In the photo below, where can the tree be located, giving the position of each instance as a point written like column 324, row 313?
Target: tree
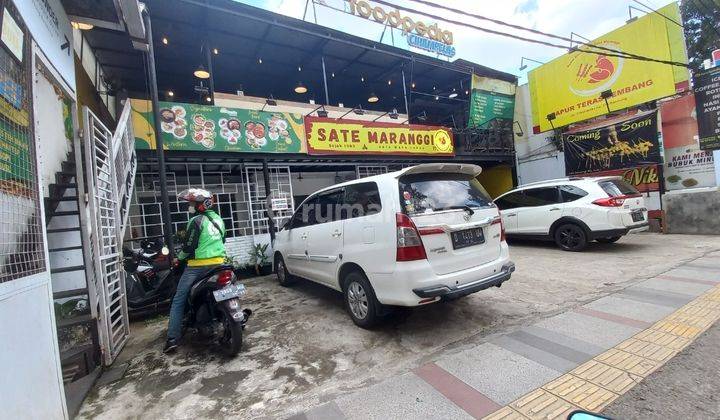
column 701, row 21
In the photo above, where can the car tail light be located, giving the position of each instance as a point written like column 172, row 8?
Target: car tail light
column 502, row 227
column 224, row 277
column 409, row 244
column 610, row 201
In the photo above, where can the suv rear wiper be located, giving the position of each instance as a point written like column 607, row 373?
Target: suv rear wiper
column 467, row 208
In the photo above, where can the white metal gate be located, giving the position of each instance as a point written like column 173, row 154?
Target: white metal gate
column 370, row 170
column 110, row 169
column 281, row 195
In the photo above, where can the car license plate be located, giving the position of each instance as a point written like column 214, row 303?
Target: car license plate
column 467, row 237
column 638, row 216
column 229, row 292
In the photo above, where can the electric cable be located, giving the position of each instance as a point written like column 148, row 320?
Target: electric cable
column 612, row 53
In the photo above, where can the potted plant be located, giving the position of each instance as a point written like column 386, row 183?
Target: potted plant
column 258, row 257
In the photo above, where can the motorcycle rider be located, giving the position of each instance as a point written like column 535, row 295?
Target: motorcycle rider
column 203, row 250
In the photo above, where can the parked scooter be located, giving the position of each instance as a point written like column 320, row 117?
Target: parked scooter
column 150, row 282
column 213, row 309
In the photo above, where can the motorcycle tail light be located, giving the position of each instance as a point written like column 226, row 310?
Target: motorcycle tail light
column 224, row 277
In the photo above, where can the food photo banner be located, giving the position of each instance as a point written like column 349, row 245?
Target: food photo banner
column 220, row 129
column 625, row 144
column 328, row 136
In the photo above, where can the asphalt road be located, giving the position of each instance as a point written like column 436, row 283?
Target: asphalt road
column 301, row 349
column 684, row 388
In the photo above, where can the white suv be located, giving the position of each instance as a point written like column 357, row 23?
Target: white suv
column 405, row 238
column 573, row 211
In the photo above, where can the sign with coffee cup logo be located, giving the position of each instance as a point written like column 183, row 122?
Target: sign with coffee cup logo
column 396, row 20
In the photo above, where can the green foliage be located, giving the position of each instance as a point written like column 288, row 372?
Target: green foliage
column 701, row 22
column 258, row 256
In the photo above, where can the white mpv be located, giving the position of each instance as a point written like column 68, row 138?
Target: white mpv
column 574, row 211
column 406, row 238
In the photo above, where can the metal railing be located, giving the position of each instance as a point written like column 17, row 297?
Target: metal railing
column 494, row 137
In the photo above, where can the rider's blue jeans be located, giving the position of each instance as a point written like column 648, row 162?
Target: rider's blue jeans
column 177, row 310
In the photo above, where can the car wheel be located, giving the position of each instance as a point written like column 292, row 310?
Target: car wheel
column 284, row 278
column 571, row 237
column 608, row 240
column 360, row 300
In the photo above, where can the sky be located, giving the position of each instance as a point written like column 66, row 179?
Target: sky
column 588, row 18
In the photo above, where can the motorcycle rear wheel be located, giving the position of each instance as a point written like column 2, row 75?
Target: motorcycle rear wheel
column 232, row 338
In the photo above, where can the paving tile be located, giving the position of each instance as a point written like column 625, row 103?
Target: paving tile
column 677, row 328
column 580, row 392
column 628, row 362
column 701, row 319
column 664, row 339
column 564, row 340
column 647, row 350
column 596, row 331
column 541, row 404
column 619, row 305
column 535, row 354
column 656, row 297
column 608, row 377
column 607, row 316
column 500, row 374
column 404, row 396
column 549, row 346
column 683, row 288
column 694, row 273
column 505, row 413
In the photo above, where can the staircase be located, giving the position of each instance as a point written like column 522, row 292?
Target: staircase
column 76, row 326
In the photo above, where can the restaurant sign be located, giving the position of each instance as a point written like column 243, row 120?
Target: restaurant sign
column 221, row 129
column 328, row 136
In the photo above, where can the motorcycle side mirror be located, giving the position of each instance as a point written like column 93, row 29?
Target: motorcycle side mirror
column 165, row 250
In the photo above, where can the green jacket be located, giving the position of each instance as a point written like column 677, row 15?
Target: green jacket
column 205, row 240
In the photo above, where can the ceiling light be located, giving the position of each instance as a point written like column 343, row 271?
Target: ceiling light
column 208, row 99
column 332, row 74
column 434, row 89
column 171, row 93
column 373, row 98
column 389, row 82
column 452, row 95
column 201, row 73
column 82, row 26
column 362, row 78
column 301, row 88
column 437, row 98
column 299, row 68
column 259, row 60
column 164, row 40
column 413, row 85
column 215, row 51
column 467, row 92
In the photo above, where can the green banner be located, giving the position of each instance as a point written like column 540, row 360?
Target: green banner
column 15, row 162
column 220, row 129
column 486, row 106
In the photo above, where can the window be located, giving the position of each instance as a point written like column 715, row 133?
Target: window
column 618, row 187
column 511, row 201
column 423, row 193
column 329, row 206
column 305, row 214
column 361, row 200
column 571, row 193
column 546, row 196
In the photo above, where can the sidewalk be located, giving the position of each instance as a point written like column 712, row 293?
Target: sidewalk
column 584, row 358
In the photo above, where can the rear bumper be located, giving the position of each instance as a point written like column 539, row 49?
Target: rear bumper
column 610, row 233
column 466, row 289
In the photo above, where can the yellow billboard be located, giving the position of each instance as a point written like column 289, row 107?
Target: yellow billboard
column 568, row 89
column 328, row 136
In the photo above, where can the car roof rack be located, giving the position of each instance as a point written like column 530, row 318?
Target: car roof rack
column 548, row 181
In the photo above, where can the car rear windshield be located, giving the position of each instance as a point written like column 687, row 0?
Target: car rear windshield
column 424, row 193
column 618, row 187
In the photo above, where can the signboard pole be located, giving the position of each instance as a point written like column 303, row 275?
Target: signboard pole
column 211, row 82
column 405, row 96
column 327, row 95
column 268, row 210
column 165, row 210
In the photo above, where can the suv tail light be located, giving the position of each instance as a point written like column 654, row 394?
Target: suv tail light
column 497, row 220
column 610, row 201
column 409, row 244
column 224, row 277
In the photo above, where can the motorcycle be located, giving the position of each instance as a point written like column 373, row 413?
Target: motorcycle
column 150, row 282
column 213, row 309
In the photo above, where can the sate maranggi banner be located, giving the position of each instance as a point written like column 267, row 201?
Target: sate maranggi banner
column 220, row 129
column 491, row 99
column 626, row 144
column 326, row 136
column 686, row 165
column 570, row 86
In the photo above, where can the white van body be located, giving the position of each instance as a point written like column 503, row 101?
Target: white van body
column 415, row 236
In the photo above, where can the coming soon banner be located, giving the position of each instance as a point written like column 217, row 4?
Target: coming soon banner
column 626, row 144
